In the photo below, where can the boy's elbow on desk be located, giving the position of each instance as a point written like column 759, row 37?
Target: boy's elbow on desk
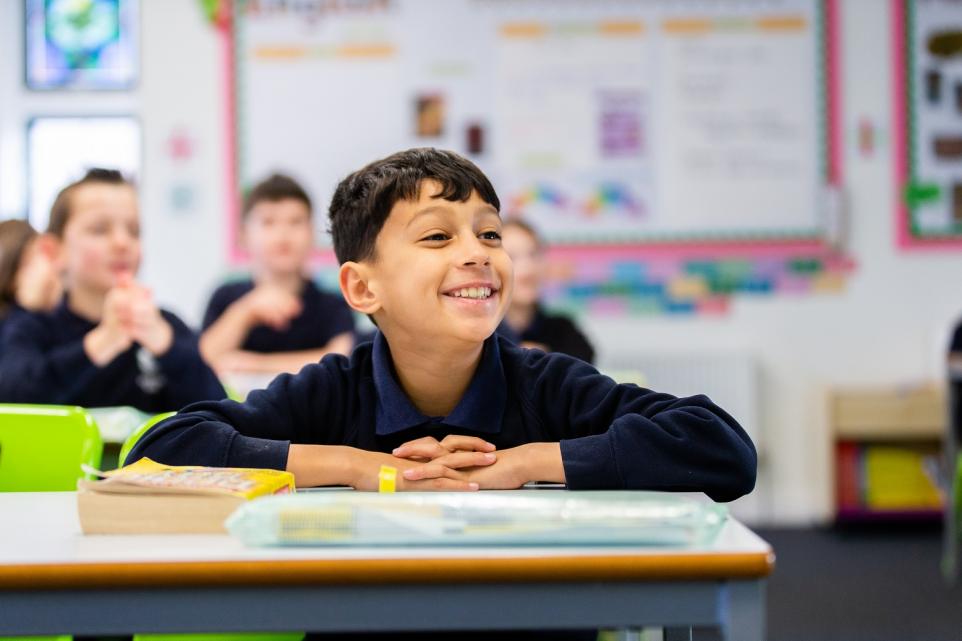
column 736, row 478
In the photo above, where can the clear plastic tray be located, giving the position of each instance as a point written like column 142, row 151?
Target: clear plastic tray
column 340, row 518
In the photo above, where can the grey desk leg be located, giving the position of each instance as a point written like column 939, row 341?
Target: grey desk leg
column 678, row 634
column 745, row 620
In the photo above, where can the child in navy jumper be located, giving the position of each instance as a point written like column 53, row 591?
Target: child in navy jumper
column 436, row 394
column 106, row 343
column 29, row 270
column 279, row 321
column 526, row 322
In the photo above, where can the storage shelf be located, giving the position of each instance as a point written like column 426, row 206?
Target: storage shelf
column 891, row 425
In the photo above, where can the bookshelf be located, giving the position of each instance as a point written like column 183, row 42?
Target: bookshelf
column 886, row 448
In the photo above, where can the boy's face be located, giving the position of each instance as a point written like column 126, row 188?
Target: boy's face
column 528, row 264
column 279, row 236
column 101, row 240
column 439, row 270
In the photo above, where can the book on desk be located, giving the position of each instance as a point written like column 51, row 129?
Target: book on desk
column 146, row 497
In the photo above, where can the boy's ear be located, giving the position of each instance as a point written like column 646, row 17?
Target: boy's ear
column 49, row 246
column 353, row 278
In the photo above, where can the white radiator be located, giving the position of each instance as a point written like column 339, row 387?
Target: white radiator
column 732, row 380
column 729, row 379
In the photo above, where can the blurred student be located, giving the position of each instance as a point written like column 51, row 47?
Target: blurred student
column 526, row 322
column 279, row 320
column 106, row 343
column 29, row 270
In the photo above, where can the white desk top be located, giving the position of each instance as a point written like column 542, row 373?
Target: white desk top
column 42, row 532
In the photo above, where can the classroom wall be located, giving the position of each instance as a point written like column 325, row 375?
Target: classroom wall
column 887, row 327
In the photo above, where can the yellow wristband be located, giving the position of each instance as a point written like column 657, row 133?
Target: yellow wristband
column 387, row 479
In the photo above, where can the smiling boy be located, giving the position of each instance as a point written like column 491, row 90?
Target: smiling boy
column 437, row 395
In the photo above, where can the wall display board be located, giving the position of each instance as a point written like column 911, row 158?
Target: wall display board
column 927, row 94
column 627, row 128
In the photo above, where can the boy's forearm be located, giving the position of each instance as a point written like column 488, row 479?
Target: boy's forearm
column 317, row 465
column 226, row 334
column 542, row 462
column 293, row 361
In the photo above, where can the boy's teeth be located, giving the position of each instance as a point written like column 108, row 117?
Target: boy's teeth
column 473, row 292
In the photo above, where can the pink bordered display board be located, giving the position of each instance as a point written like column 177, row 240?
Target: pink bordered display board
column 671, row 153
column 927, row 99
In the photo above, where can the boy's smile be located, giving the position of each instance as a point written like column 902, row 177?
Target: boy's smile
column 439, row 271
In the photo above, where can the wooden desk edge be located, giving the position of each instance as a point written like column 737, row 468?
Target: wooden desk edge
column 752, row 565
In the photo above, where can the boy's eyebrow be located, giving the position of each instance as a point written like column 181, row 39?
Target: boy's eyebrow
column 442, row 209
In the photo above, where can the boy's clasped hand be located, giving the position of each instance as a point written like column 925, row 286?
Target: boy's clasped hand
column 454, row 463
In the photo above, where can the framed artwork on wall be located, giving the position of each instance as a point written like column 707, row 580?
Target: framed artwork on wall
column 81, row 44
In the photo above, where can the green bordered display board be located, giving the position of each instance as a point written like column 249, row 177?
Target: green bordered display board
column 927, row 95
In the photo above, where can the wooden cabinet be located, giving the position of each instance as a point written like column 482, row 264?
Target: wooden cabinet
column 886, row 445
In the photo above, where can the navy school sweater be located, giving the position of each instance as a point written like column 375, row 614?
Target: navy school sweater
column 42, row 360
column 612, row 436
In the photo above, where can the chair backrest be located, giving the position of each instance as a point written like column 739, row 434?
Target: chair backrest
column 43, row 446
column 140, row 431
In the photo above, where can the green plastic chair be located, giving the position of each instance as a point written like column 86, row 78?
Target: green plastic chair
column 42, row 447
column 139, row 432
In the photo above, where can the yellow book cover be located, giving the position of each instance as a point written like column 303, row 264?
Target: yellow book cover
column 147, row 497
column 896, row 479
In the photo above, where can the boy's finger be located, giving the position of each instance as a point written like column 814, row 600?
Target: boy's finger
column 457, row 460
column 430, row 470
column 443, row 485
column 455, row 442
column 420, row 450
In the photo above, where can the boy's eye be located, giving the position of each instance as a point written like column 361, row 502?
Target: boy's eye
column 491, row 235
column 439, row 237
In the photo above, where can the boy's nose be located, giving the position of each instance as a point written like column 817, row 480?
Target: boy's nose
column 476, row 254
column 121, row 237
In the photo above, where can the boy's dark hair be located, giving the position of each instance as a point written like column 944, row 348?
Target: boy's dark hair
column 15, row 235
column 275, row 188
column 362, row 201
column 60, row 211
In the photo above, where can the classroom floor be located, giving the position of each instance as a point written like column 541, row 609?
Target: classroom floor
column 880, row 584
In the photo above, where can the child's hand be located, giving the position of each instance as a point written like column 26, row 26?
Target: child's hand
column 442, row 474
column 145, row 323
column 271, row 306
column 111, row 336
column 429, row 448
column 519, row 465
